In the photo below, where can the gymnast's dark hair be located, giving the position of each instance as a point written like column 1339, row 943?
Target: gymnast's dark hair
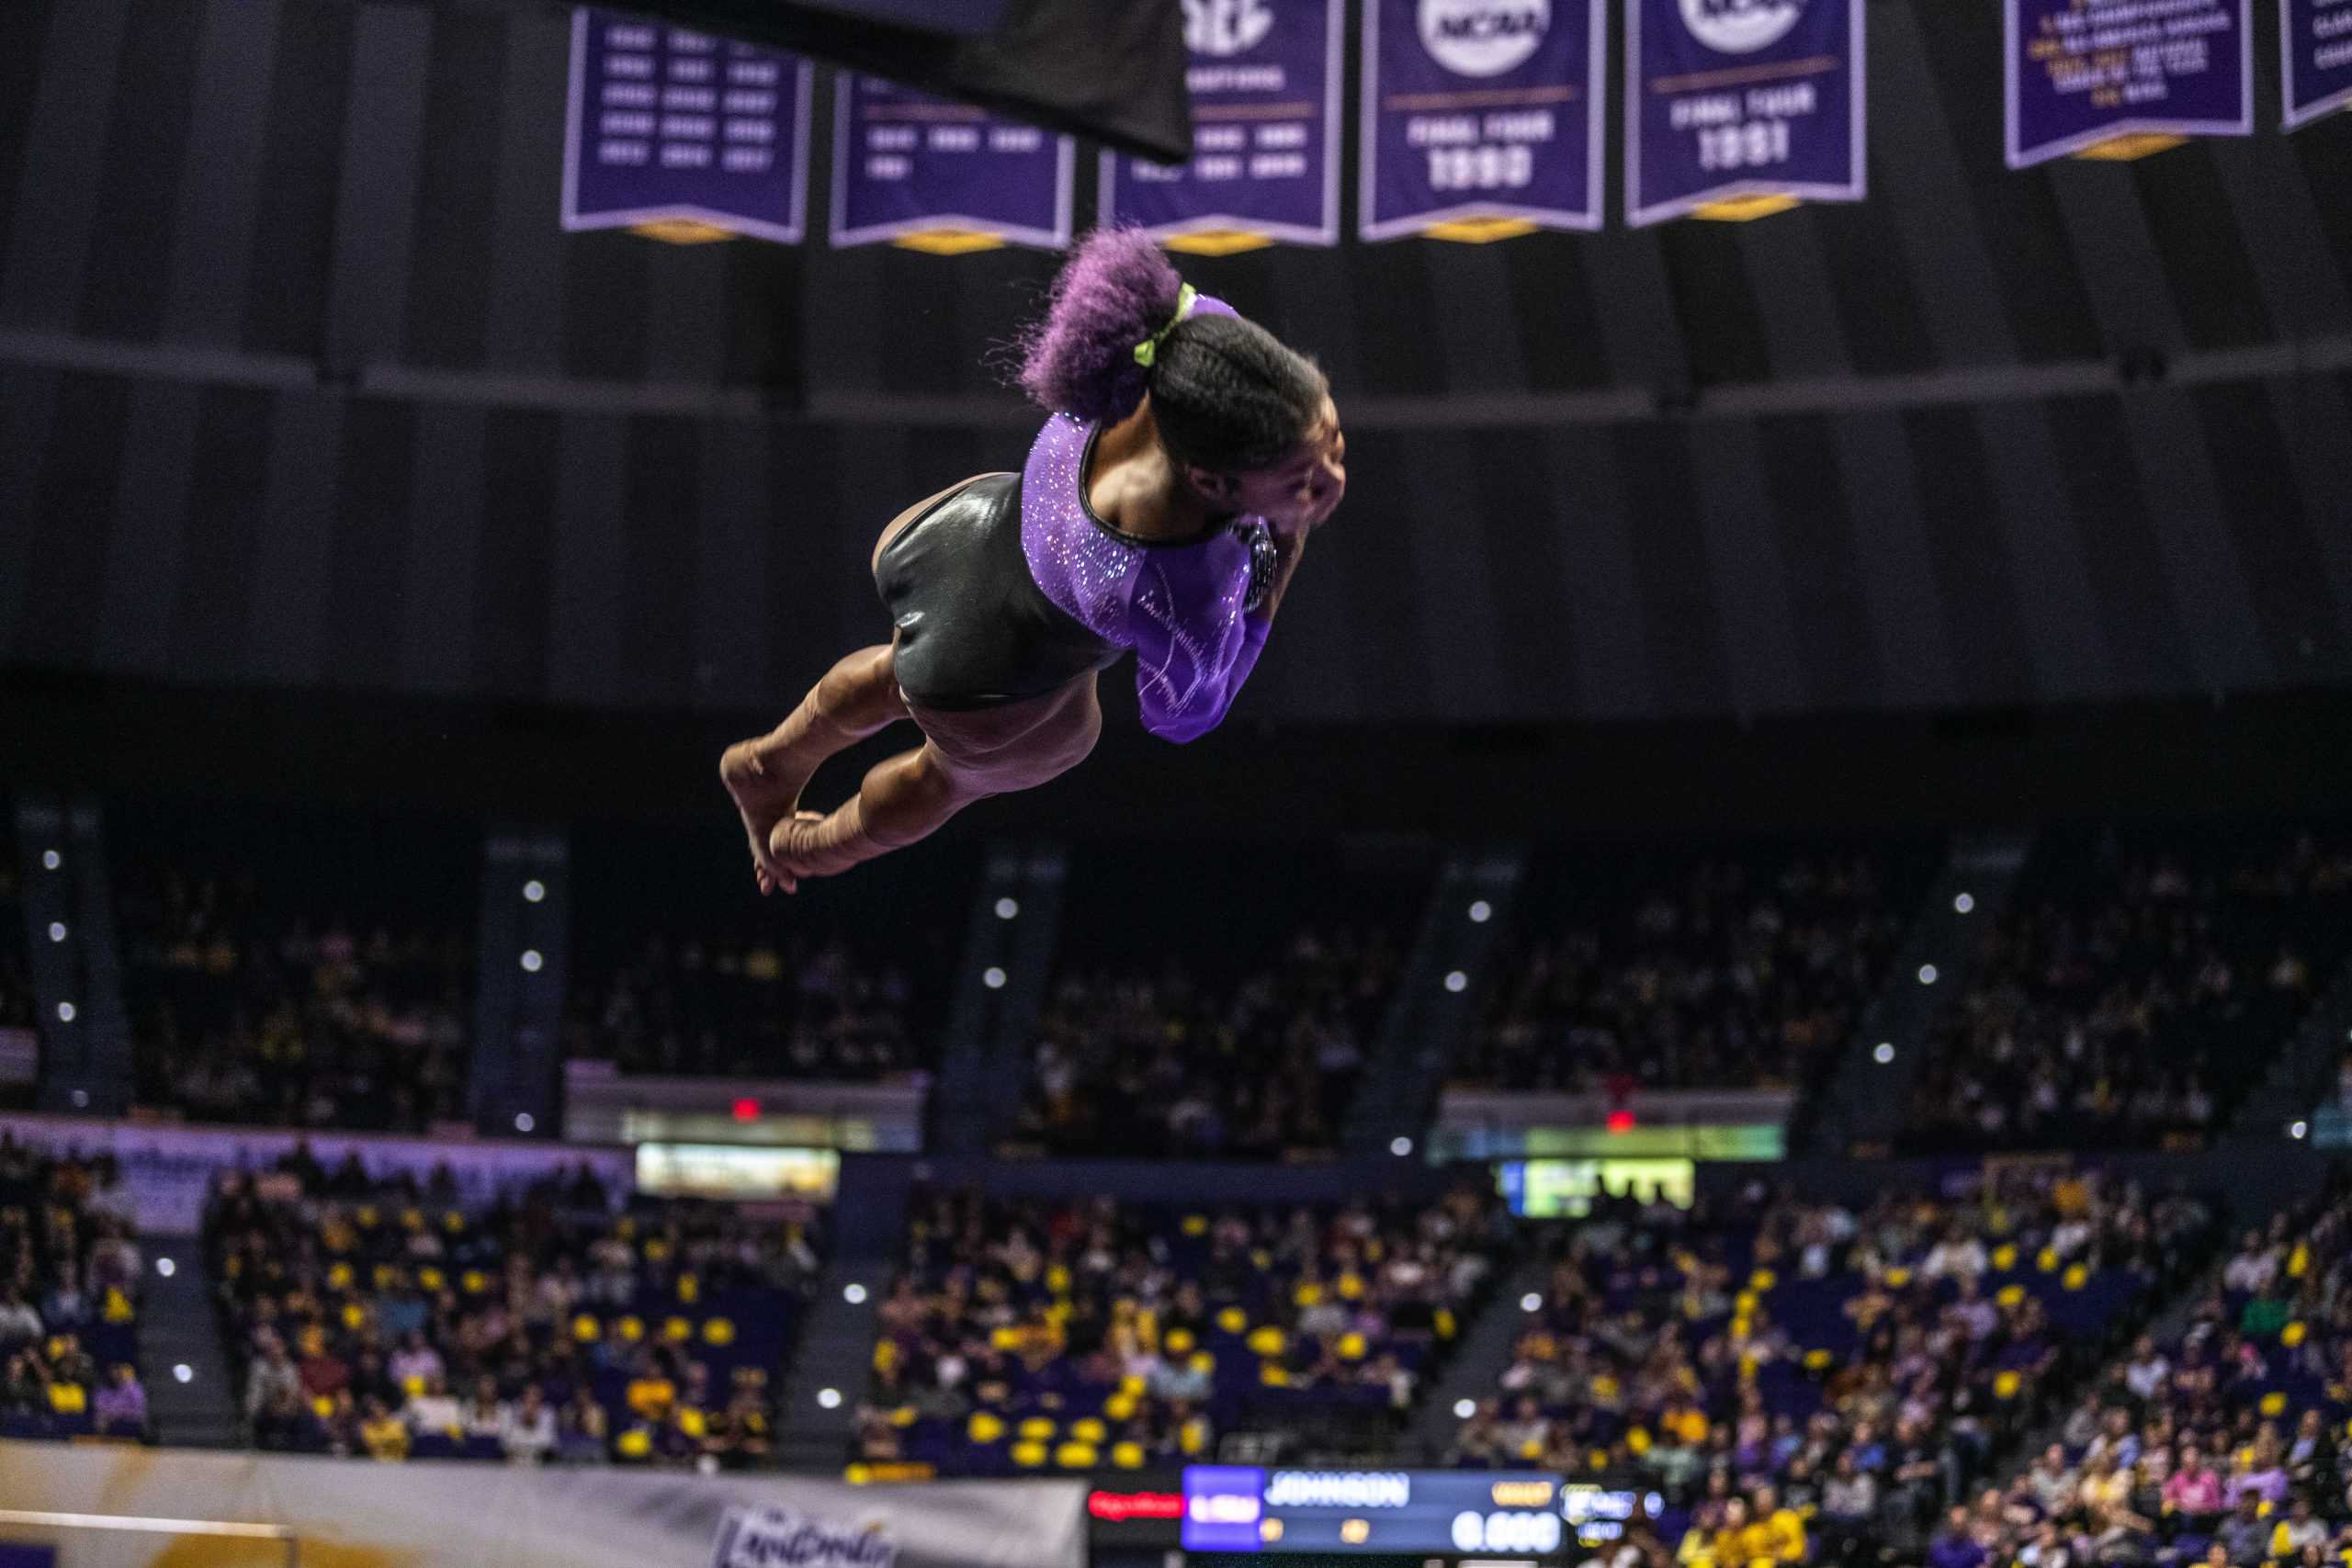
column 1226, row 393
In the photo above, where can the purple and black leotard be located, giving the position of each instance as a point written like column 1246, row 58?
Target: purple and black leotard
column 1011, row 588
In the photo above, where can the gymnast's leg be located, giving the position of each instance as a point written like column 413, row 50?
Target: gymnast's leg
column 766, row 775
column 963, row 758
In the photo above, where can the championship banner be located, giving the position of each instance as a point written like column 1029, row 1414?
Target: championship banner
column 682, row 136
column 1738, row 109
column 2121, row 79
column 1481, row 118
column 945, row 178
column 1265, row 85
column 2316, row 66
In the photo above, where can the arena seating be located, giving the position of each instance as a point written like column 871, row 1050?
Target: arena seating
column 1026, row 1337
column 1738, row 968
column 387, row 1320
column 679, row 967
column 297, row 967
column 1230, row 1013
column 1886, row 1354
column 2130, row 991
column 69, row 1299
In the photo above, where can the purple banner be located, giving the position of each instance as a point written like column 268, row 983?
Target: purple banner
column 1481, row 116
column 2080, row 72
column 944, row 176
column 2316, row 50
column 667, row 126
column 1746, row 104
column 1265, row 85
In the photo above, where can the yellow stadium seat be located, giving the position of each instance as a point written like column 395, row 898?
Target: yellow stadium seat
column 718, row 1331
column 635, row 1443
column 1089, row 1429
column 1266, row 1341
column 2005, row 1256
column 1351, row 1286
column 677, row 1331
column 984, row 1427
column 631, row 1327
column 2046, row 1260
column 1306, row 1293
column 432, row 1279
column 339, row 1276
column 2075, row 1277
column 1029, row 1456
column 1178, row 1342
column 1351, row 1346
column 1120, row 1407
column 1076, row 1456
column 1762, row 1280
column 586, row 1329
column 1036, row 1429
column 1273, row 1374
column 1233, row 1320
column 474, row 1282
column 2006, row 1385
column 1128, row 1456
column 1202, row 1363
column 2293, row 1335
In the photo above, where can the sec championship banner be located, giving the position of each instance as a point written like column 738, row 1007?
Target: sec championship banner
column 2315, row 40
column 683, row 135
column 943, row 176
column 2121, row 78
column 1735, row 108
column 1265, row 83
column 1481, row 118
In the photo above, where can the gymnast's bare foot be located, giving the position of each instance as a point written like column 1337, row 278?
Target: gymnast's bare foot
column 764, row 795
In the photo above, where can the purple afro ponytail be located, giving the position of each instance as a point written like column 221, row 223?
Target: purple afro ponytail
column 1115, row 290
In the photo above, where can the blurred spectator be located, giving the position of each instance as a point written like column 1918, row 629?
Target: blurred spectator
column 54, row 1331
column 2119, row 996
column 529, row 1330
column 1728, row 972
column 121, row 1407
column 1097, row 1334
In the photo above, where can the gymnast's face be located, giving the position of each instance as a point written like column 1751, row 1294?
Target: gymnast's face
column 1299, row 490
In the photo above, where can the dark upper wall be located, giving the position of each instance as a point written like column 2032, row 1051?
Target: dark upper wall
column 300, row 384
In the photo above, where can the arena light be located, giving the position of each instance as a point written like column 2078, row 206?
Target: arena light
column 853, row 1293
column 1006, row 908
column 183, row 1373
column 1532, row 1301
column 57, row 931
column 166, row 1267
column 1481, row 912
column 1926, row 974
column 534, row 890
column 1964, row 902
column 1400, row 1146
column 829, row 1398
column 524, row 1121
column 65, row 1012
column 2299, row 1131
column 1465, row 1408
column 992, row 977
column 51, row 859
column 81, row 1098
column 1455, row 980
column 533, row 961
column 1884, row 1054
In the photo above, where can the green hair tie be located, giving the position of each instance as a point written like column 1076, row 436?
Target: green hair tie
column 1148, row 349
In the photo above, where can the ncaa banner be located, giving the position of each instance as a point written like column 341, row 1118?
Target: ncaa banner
column 1481, row 118
column 945, row 177
column 2315, row 46
column 1264, row 76
column 2121, row 79
column 682, row 136
column 1737, row 109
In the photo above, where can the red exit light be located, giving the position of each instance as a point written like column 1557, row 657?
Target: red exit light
column 1120, row 1507
column 747, row 1109
column 1621, row 1121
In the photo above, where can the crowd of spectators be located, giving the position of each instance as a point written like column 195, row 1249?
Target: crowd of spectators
column 385, row 1319
column 1023, row 1335
column 1732, row 971
column 1231, row 1013
column 69, row 1299
column 2223, row 1444
column 2122, row 996
column 1858, row 1368
column 284, row 979
column 680, row 968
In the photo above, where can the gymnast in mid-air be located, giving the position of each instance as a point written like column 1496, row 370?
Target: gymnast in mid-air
column 1186, row 457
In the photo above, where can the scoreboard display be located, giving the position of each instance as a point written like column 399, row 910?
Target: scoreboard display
column 1248, row 1508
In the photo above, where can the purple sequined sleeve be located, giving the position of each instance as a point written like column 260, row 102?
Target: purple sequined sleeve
column 1184, row 608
